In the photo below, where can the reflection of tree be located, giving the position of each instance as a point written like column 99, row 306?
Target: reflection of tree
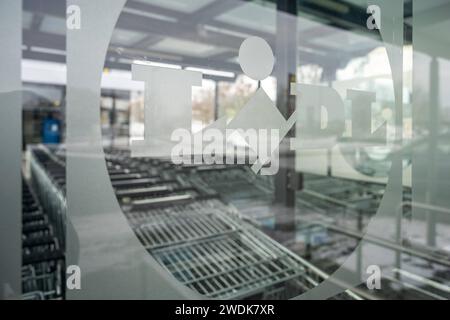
column 310, row 74
column 233, row 96
column 203, row 106
column 137, row 110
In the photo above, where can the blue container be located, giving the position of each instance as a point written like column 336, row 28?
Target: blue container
column 51, row 130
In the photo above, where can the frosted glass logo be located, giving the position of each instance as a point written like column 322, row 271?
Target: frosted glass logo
column 253, row 136
column 168, row 117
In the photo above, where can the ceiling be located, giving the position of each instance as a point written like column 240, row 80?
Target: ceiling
column 204, row 33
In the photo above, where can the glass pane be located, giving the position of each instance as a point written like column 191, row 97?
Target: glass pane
column 266, row 149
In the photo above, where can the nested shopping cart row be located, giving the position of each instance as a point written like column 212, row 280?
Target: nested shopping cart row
column 230, row 266
column 42, row 255
column 183, row 223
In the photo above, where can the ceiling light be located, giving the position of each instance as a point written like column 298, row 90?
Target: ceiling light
column 212, row 72
column 157, row 64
